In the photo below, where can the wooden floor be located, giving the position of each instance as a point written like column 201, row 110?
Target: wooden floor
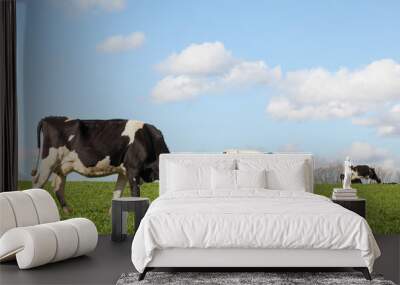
column 110, row 260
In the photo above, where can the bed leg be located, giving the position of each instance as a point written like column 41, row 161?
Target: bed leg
column 143, row 274
column 364, row 271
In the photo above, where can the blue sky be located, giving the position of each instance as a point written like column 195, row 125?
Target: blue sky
column 70, row 69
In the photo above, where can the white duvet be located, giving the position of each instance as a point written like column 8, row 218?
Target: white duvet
column 250, row 219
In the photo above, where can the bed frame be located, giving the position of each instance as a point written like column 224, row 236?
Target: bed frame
column 245, row 258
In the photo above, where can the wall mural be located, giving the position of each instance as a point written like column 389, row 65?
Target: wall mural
column 208, row 76
column 97, row 148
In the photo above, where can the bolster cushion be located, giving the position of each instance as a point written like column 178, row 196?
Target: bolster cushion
column 40, row 244
column 26, row 208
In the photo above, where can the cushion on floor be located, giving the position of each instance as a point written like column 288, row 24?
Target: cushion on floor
column 31, row 231
column 37, row 245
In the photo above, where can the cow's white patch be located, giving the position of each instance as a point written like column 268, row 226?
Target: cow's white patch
column 71, row 137
column 123, row 168
column 102, row 168
column 69, row 119
column 355, row 175
column 58, row 182
column 120, row 186
column 47, row 165
column 117, row 194
column 69, row 161
column 131, row 128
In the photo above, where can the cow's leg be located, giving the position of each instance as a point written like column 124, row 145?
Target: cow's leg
column 59, row 190
column 119, row 187
column 134, row 179
column 47, row 165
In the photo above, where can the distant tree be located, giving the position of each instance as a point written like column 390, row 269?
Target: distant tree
column 328, row 173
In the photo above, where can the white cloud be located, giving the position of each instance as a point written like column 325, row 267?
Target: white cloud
column 256, row 72
column 120, row 43
column 320, row 94
column 200, row 68
column 386, row 124
column 284, row 108
column 106, row 5
column 176, row 88
column 198, row 59
column 377, row 81
column 367, row 96
column 363, row 152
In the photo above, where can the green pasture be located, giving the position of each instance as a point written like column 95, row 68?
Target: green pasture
column 93, row 200
column 383, row 204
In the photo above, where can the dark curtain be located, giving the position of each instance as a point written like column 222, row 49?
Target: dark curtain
column 8, row 97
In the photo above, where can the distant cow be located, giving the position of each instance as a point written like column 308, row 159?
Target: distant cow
column 96, row 148
column 362, row 171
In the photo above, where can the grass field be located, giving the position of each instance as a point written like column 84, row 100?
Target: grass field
column 93, row 200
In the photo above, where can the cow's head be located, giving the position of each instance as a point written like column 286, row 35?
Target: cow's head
column 372, row 175
column 150, row 172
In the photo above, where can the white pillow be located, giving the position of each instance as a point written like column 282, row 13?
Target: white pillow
column 223, row 179
column 292, row 178
column 251, row 178
column 282, row 174
column 193, row 175
column 228, row 179
column 187, row 177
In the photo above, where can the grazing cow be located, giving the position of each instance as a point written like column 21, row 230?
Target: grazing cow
column 362, row 171
column 96, row 148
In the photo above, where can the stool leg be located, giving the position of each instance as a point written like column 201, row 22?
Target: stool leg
column 124, row 219
column 117, row 221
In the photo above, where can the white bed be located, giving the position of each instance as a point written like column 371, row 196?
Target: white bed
column 199, row 225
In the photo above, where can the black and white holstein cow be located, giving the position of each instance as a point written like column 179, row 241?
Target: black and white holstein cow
column 360, row 172
column 96, row 148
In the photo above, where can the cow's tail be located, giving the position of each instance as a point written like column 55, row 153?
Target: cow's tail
column 36, row 163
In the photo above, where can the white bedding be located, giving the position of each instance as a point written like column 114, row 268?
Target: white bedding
column 250, row 218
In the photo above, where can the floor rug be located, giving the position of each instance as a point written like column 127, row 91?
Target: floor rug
column 268, row 278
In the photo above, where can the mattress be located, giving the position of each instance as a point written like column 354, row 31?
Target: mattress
column 250, row 219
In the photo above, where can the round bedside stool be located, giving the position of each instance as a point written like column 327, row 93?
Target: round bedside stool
column 120, row 208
